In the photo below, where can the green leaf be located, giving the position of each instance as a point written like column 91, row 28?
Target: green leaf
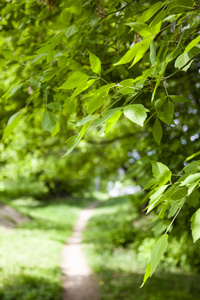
column 57, row 26
column 174, row 208
column 49, row 74
column 71, row 30
column 155, row 198
column 152, row 53
column 156, row 28
column 159, row 17
column 81, row 88
column 168, row 112
column 163, row 210
column 3, row 62
column 180, row 5
column 150, row 12
column 192, row 167
column 158, row 103
column 177, row 193
column 192, row 156
column 165, row 63
column 62, row 61
column 192, row 44
column 141, row 79
column 95, row 63
column 38, row 59
column 98, row 98
column 74, row 80
column 73, row 141
column 190, row 179
column 54, row 106
column 51, row 56
column 15, row 89
column 8, row 54
column 83, row 121
column 107, row 115
column 178, row 99
column 137, row 50
column 141, row 28
column 157, row 131
column 12, row 123
column 147, row 273
column 161, row 172
column 157, row 252
column 126, row 86
column 56, row 129
column 182, row 60
column 111, row 122
column 49, row 121
column 130, row 54
column 140, row 53
column 137, row 113
column 195, row 225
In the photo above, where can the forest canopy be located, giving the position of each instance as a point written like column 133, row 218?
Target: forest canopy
column 105, row 85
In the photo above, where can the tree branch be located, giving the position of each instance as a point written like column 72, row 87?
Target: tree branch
column 164, row 78
column 121, row 9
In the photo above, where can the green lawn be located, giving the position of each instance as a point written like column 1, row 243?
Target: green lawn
column 120, row 266
column 30, row 254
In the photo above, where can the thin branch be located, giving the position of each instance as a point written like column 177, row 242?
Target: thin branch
column 110, row 141
column 121, row 9
column 86, row 64
column 173, row 219
column 164, row 78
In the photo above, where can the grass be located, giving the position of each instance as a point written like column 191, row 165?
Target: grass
column 30, row 254
column 110, row 245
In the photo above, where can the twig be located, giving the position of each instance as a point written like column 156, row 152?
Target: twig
column 113, row 12
column 164, row 78
column 173, row 219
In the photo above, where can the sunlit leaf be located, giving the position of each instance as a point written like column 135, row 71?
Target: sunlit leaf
column 157, row 252
column 49, row 121
column 195, row 225
column 192, row 156
column 161, row 172
column 137, row 113
column 192, row 44
column 12, row 123
column 142, row 28
column 150, row 12
column 74, row 80
column 73, row 141
column 95, row 63
column 147, row 273
column 83, row 121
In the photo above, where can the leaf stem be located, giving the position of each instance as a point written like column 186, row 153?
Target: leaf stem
column 181, row 67
column 173, row 219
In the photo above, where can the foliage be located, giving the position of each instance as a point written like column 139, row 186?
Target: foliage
column 109, row 79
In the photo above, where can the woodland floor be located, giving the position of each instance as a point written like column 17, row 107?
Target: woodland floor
column 47, row 226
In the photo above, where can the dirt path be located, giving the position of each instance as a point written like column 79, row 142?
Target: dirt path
column 79, row 283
